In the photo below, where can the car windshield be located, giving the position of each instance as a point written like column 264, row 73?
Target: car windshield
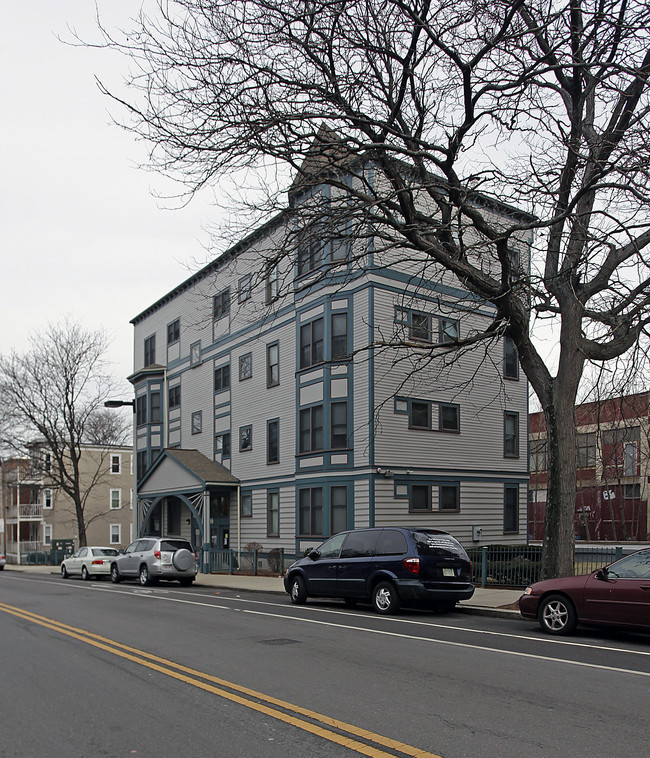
column 104, row 551
column 174, row 545
column 437, row 543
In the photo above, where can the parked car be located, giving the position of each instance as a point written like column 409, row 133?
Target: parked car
column 389, row 566
column 88, row 562
column 150, row 559
column 616, row 595
column 3, row 560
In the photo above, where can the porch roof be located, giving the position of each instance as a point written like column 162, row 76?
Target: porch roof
column 178, row 470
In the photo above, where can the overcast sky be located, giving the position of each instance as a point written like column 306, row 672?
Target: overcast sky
column 83, row 234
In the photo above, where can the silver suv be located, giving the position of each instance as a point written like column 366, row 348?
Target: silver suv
column 152, row 558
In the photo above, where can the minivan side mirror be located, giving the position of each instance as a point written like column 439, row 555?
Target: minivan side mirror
column 314, row 555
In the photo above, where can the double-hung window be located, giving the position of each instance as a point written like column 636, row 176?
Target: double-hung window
column 245, row 288
column 273, row 441
column 272, row 284
column 141, row 410
column 115, row 464
column 221, row 304
column 339, row 424
column 339, row 339
column 150, row 350
column 173, row 331
column 310, row 251
column 272, row 513
column 311, row 343
column 311, row 429
column 174, row 396
column 510, row 359
column 310, row 511
column 511, row 434
column 272, row 365
column 511, row 508
column 222, row 378
column 116, row 499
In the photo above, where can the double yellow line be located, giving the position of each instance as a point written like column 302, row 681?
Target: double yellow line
column 359, row 740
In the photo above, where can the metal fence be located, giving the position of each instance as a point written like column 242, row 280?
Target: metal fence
column 274, row 562
column 520, row 565
column 492, row 565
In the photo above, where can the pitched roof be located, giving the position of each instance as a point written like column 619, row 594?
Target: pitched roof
column 201, row 466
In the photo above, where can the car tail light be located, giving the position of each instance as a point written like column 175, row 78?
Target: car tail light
column 196, row 556
column 98, row 562
column 156, row 554
column 412, row 565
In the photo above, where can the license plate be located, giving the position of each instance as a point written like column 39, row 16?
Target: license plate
column 448, row 572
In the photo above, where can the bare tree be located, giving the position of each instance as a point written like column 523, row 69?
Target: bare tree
column 53, row 398
column 417, row 107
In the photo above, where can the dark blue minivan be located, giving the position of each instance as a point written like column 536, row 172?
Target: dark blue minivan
column 389, row 566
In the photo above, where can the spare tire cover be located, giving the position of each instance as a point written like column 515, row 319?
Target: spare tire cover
column 183, row 560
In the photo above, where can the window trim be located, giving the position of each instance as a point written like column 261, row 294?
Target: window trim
column 174, row 397
column 223, row 372
column 303, row 413
column 243, row 359
column 310, row 509
column 118, row 541
column 270, row 381
column 113, row 491
column 197, row 422
column 221, row 304
column 269, row 424
column 507, row 488
column 173, row 331
column 515, row 416
column 510, row 354
column 246, row 512
column 242, row 433
column 115, row 456
column 245, row 288
column 272, row 493
column 314, row 360
column 150, row 350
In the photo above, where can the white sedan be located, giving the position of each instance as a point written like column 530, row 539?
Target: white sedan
column 88, row 562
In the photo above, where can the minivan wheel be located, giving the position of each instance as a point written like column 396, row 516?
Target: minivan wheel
column 115, row 574
column 385, row 598
column 144, row 575
column 298, row 591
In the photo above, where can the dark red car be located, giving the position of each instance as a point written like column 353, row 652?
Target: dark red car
column 617, row 595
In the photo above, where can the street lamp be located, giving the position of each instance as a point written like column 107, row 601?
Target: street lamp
column 119, row 403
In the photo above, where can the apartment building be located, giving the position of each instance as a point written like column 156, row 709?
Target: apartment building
column 613, row 458
column 280, row 398
column 37, row 515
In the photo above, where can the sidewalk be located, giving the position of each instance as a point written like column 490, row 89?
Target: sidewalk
column 488, row 601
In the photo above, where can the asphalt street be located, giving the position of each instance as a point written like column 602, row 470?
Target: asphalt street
column 104, row 670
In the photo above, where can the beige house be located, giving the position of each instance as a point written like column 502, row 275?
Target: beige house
column 38, row 516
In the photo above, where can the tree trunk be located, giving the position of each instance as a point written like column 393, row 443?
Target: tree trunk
column 559, row 540
column 81, row 524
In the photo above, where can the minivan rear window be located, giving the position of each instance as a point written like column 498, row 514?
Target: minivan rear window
column 435, row 543
column 391, row 542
